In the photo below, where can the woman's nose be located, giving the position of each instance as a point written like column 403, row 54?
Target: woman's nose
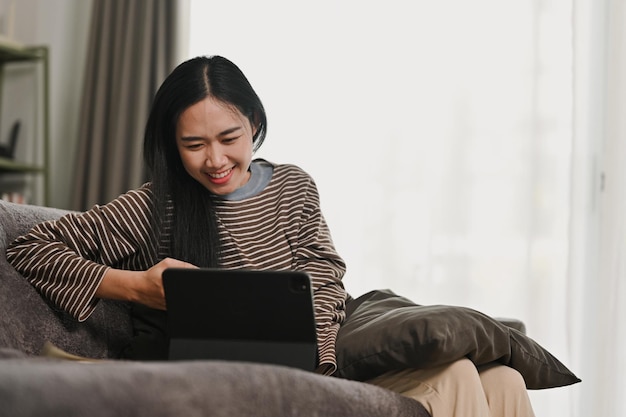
column 215, row 157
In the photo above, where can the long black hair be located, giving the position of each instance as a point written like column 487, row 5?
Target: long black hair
column 192, row 224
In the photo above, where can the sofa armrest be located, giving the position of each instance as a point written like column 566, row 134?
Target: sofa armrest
column 27, row 320
column 513, row 323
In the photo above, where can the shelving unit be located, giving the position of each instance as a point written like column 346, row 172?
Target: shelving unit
column 27, row 172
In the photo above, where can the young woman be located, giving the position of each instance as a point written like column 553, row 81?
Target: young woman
column 209, row 204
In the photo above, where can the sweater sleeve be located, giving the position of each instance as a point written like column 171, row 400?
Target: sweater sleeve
column 66, row 259
column 317, row 256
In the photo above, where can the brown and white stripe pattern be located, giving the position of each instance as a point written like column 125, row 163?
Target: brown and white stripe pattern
column 282, row 228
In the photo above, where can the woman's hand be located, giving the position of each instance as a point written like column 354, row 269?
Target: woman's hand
column 143, row 287
column 151, row 292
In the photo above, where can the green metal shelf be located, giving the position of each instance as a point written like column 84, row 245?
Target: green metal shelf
column 12, row 52
column 8, row 166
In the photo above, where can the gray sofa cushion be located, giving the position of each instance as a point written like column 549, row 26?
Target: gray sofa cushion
column 37, row 387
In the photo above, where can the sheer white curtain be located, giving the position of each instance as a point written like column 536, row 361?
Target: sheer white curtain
column 598, row 227
column 439, row 134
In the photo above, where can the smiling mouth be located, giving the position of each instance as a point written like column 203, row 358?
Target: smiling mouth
column 220, row 175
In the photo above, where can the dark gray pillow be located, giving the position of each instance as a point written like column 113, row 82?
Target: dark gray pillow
column 386, row 332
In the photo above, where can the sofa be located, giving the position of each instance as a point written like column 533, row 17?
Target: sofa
column 36, row 385
column 382, row 331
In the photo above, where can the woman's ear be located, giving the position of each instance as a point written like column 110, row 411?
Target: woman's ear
column 254, row 123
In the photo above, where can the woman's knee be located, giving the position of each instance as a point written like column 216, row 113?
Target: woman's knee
column 505, row 390
column 462, row 370
column 501, row 378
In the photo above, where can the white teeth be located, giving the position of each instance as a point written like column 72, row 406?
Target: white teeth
column 222, row 175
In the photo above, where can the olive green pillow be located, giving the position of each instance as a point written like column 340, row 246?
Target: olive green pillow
column 384, row 332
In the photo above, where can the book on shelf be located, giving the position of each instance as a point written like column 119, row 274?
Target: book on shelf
column 14, row 197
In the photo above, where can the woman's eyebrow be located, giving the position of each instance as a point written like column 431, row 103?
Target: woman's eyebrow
column 229, row 131
column 189, row 138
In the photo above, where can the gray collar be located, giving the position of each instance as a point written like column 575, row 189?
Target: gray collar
column 260, row 175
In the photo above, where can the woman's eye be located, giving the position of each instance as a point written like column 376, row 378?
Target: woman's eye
column 194, row 146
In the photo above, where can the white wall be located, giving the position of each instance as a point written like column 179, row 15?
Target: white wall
column 438, row 134
column 63, row 26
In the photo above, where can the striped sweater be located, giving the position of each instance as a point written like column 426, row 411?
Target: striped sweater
column 281, row 228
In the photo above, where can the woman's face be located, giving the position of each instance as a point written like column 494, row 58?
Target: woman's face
column 215, row 145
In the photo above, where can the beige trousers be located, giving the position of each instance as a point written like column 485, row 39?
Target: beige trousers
column 460, row 389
